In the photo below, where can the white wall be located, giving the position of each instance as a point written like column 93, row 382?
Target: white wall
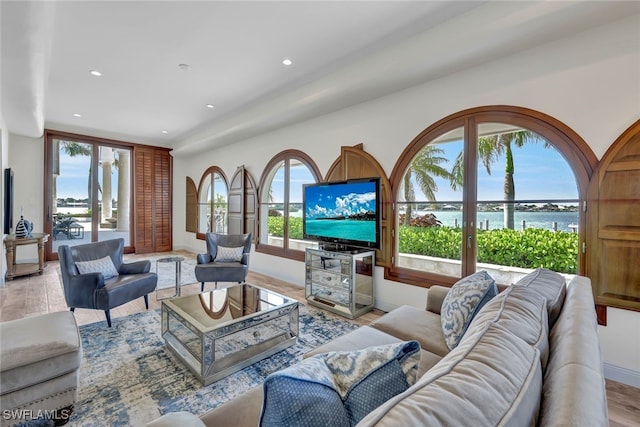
column 590, row 82
column 26, row 158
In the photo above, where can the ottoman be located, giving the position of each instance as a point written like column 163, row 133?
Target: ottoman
column 39, row 367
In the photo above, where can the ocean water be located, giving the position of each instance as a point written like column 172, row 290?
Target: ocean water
column 543, row 220
column 345, row 229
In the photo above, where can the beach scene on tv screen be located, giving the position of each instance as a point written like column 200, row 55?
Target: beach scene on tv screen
column 346, row 211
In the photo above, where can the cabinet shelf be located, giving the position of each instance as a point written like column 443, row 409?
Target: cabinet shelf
column 341, row 282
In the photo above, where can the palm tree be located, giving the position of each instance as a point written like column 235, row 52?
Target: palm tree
column 490, row 148
column 424, row 167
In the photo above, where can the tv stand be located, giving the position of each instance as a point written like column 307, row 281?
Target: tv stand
column 340, row 248
column 340, row 281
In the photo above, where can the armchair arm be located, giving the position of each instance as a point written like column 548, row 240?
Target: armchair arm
column 435, row 297
column 204, row 258
column 82, row 288
column 136, row 267
column 87, row 281
column 245, row 259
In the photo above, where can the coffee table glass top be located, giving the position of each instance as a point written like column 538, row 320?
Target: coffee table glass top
column 210, row 310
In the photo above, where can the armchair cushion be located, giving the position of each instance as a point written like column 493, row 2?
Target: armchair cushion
column 227, row 254
column 102, row 265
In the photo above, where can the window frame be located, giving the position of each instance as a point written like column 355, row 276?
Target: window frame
column 211, row 170
column 578, row 155
column 286, row 157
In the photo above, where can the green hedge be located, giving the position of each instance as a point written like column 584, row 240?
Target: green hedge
column 276, row 227
column 531, row 248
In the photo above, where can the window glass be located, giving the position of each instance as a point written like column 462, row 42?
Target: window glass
column 527, row 201
column 496, row 197
column 275, row 207
column 430, row 207
column 299, row 174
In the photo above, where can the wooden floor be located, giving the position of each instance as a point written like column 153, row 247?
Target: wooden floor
column 40, row 294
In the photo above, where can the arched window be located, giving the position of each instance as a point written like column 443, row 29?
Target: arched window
column 212, row 202
column 493, row 188
column 281, row 203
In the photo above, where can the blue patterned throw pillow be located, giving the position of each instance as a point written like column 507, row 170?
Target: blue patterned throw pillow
column 103, row 265
column 465, row 298
column 338, row 388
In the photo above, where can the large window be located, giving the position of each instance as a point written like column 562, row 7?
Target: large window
column 489, row 191
column 213, row 202
column 281, row 203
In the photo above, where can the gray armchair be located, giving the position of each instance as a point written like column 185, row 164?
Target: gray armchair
column 92, row 290
column 226, row 260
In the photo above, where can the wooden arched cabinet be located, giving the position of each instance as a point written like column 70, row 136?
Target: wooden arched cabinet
column 354, row 162
column 613, row 208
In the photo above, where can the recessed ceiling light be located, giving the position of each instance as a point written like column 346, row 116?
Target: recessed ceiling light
column 184, row 67
column 95, row 73
column 210, row 105
column 77, row 115
column 287, row 62
column 165, row 131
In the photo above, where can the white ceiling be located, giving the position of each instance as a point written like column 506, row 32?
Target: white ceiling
column 343, row 53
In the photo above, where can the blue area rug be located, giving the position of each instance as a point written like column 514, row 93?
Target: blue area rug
column 129, row 377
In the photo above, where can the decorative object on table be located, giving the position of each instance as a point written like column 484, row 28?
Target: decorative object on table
column 23, row 228
column 28, row 225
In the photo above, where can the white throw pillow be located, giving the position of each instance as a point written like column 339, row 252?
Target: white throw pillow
column 465, row 298
column 226, row 254
column 103, row 265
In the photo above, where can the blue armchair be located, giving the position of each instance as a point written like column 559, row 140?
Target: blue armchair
column 226, row 260
column 108, row 285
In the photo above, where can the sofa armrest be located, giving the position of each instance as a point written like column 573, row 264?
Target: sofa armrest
column 204, row 258
column 180, row 418
column 435, row 296
column 241, row 411
column 136, row 267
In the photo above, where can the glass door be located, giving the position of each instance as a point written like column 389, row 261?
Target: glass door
column 88, row 194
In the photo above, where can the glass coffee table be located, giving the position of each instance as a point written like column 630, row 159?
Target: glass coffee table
column 219, row 332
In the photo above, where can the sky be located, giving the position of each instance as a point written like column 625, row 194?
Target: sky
column 73, row 180
column 540, row 173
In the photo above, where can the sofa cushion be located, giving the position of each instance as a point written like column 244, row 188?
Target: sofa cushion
column 523, row 312
column 102, row 265
column 465, row 298
column 366, row 336
column 492, row 378
column 227, row 254
column 411, row 323
column 550, row 285
column 338, row 388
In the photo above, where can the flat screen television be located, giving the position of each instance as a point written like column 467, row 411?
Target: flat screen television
column 343, row 212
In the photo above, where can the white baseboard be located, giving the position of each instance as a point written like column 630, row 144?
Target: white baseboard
column 622, row 375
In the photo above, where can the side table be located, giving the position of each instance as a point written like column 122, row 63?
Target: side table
column 178, row 262
column 15, row 269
